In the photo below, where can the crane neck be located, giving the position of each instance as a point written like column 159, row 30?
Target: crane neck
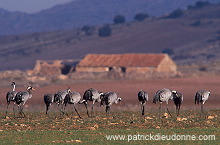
column 13, row 88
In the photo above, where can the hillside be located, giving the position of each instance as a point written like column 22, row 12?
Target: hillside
column 85, row 12
column 194, row 38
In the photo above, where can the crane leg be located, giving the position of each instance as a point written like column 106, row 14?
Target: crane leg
column 47, row 108
column 19, row 110
column 14, row 110
column 93, row 102
column 142, row 109
column 202, row 107
column 143, row 104
column 85, row 103
column 108, row 111
column 177, row 110
column 6, row 112
column 60, row 110
column 22, row 110
column 168, row 110
column 159, row 110
column 77, row 112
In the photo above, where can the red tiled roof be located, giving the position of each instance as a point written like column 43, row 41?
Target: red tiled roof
column 121, row 60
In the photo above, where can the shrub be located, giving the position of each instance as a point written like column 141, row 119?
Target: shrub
column 140, row 16
column 203, row 68
column 88, row 29
column 105, row 31
column 196, row 23
column 201, row 4
column 175, row 14
column 119, row 19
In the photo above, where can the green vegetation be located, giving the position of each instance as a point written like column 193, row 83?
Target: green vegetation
column 38, row 128
column 101, row 136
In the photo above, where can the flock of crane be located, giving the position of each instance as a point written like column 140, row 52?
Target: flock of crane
column 64, row 97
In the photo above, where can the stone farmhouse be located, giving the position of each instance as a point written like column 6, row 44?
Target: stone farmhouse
column 126, row 63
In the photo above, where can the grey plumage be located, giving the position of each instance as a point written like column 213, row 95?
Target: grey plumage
column 72, row 98
column 59, row 98
column 201, row 97
column 60, row 95
column 108, row 99
column 22, row 97
column 10, row 97
column 163, row 95
column 143, row 98
column 177, row 99
column 91, row 95
column 48, row 100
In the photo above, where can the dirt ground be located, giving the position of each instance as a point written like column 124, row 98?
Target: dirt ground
column 127, row 90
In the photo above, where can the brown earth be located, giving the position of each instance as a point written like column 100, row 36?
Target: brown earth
column 127, row 90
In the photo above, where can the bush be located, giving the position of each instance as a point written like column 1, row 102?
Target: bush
column 140, row 16
column 175, row 14
column 201, row 4
column 105, row 31
column 119, row 19
column 88, row 29
column 203, row 68
column 196, row 24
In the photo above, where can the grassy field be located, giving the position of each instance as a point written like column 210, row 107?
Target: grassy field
column 38, row 128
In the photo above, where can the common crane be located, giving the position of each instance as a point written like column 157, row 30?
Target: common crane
column 91, row 95
column 108, row 99
column 143, row 98
column 201, row 97
column 59, row 98
column 163, row 95
column 177, row 99
column 22, row 97
column 48, row 100
column 72, row 98
column 10, row 97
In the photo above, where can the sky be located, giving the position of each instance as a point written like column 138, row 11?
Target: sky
column 29, row 6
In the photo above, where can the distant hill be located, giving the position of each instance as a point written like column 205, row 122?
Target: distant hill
column 85, row 12
column 191, row 38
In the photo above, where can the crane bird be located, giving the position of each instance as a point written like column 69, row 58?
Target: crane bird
column 48, row 100
column 59, row 98
column 143, row 98
column 10, row 97
column 108, row 99
column 163, row 95
column 22, row 97
column 91, row 95
column 72, row 98
column 177, row 99
column 201, row 97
